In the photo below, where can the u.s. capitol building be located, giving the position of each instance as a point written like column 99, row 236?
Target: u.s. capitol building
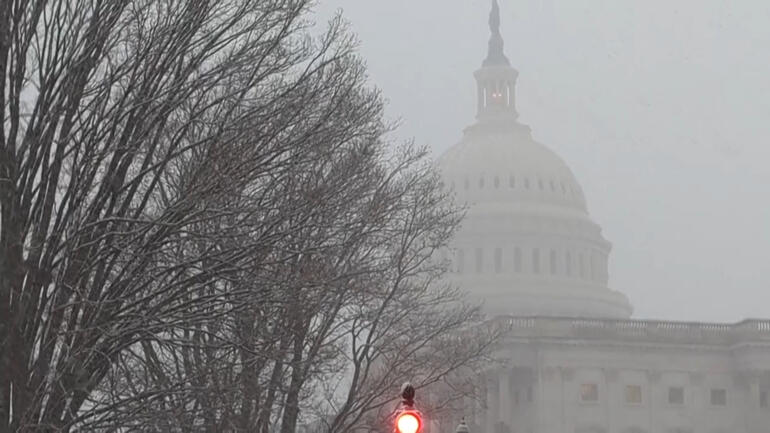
column 575, row 361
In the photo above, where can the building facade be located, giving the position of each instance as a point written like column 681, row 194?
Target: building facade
column 574, row 361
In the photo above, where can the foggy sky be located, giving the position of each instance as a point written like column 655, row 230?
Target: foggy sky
column 661, row 109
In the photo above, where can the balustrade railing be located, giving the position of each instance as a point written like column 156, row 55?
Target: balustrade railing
column 747, row 330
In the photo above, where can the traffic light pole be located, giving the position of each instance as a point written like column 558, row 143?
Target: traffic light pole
column 408, row 418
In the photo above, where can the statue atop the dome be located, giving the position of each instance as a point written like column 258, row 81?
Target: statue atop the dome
column 495, row 55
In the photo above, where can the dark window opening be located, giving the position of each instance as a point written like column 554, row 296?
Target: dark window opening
column 589, row 392
column 719, row 397
column 676, row 395
column 633, row 394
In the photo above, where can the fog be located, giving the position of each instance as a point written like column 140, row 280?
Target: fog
column 660, row 108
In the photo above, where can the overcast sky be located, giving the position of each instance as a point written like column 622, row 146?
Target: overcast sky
column 661, row 108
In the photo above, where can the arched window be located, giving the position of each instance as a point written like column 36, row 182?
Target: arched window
column 479, row 260
column 568, row 264
column 536, row 261
column 460, row 261
column 498, row 260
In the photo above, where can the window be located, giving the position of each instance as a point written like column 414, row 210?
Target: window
column 512, row 181
column 763, row 403
column 553, row 187
column 498, row 260
column 582, row 266
column 568, row 264
column 479, row 259
column 526, row 182
column 540, row 184
column 589, row 393
column 553, row 262
column 460, row 261
column 467, row 183
column 633, row 394
column 530, row 396
column 516, row 397
column 497, row 182
column 481, row 182
column 676, row 395
column 536, row 261
column 718, row 397
column 517, row 259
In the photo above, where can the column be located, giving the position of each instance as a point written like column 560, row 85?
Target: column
column 697, row 399
column 751, row 404
column 492, row 402
column 505, row 408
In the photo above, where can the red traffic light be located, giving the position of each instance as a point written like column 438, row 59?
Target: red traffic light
column 408, row 422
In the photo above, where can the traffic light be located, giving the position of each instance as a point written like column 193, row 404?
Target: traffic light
column 408, row 419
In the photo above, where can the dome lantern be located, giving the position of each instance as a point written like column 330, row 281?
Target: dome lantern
column 496, row 80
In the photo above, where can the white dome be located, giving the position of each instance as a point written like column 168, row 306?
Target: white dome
column 507, row 166
column 527, row 245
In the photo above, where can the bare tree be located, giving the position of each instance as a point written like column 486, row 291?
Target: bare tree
column 201, row 223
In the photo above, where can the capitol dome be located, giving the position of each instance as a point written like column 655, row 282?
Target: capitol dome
column 527, row 245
